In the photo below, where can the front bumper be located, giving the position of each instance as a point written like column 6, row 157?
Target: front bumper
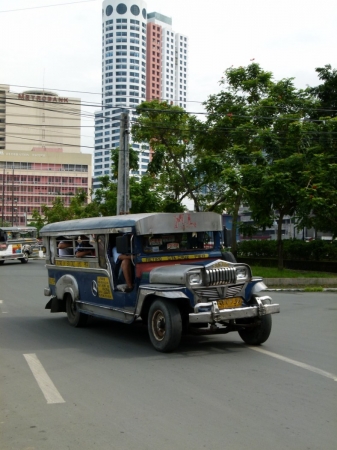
column 262, row 307
column 12, row 256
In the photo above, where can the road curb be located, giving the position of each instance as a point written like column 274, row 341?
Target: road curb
column 298, row 290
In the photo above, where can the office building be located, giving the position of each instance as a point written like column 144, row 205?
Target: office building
column 40, row 156
column 142, row 59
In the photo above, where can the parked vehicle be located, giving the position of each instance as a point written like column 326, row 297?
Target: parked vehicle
column 18, row 243
column 182, row 283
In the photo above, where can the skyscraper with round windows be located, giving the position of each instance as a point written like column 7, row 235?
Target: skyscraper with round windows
column 142, row 59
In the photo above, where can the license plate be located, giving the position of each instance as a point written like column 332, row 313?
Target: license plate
column 234, row 302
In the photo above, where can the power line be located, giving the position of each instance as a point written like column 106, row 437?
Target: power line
column 46, row 6
column 142, row 99
column 278, row 116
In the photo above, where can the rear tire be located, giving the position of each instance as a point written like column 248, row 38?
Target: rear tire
column 2, row 262
column 25, row 259
column 75, row 317
column 257, row 335
column 164, row 325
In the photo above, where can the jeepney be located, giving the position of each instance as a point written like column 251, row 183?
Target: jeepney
column 18, row 243
column 183, row 282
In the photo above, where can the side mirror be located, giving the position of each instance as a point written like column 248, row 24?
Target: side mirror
column 122, row 244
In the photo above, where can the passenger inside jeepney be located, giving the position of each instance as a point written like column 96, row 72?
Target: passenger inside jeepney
column 122, row 268
column 65, row 247
column 175, row 242
column 84, row 248
column 162, row 242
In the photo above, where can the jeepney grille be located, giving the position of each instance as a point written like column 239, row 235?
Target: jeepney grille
column 220, row 276
column 211, row 294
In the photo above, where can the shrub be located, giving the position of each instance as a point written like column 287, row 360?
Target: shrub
column 293, row 249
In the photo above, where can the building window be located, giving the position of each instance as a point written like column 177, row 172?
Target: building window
column 121, row 8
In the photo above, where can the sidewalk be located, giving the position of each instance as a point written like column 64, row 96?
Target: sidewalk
column 299, row 284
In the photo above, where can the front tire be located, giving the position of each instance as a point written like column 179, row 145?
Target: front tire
column 257, row 335
column 164, row 325
column 75, row 317
column 25, row 258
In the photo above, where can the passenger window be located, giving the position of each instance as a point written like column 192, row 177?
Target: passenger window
column 65, row 246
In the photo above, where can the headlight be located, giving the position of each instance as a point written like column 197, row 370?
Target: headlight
column 195, row 278
column 242, row 273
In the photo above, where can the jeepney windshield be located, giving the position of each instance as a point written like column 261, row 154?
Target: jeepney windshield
column 175, row 242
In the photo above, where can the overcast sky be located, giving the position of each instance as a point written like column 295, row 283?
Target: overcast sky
column 59, row 47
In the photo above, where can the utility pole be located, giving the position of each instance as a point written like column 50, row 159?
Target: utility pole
column 123, row 187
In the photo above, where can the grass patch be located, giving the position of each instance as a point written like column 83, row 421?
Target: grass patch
column 273, row 272
column 313, row 289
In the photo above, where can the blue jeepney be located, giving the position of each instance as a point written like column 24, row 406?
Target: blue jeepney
column 182, row 280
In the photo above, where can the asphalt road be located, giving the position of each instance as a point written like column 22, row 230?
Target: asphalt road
column 104, row 387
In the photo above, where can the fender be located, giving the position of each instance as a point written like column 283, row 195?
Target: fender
column 169, row 292
column 67, row 284
column 254, row 286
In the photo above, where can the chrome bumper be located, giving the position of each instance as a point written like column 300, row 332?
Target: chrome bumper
column 262, row 308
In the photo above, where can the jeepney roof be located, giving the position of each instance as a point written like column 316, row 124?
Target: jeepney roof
column 17, row 228
column 147, row 223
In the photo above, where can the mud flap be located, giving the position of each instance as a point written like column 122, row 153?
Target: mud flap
column 56, row 305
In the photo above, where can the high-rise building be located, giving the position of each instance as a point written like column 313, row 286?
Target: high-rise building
column 142, row 59
column 40, row 152
column 166, row 57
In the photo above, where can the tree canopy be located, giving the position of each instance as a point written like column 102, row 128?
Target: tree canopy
column 263, row 143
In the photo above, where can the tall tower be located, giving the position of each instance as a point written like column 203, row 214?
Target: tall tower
column 167, row 56
column 142, row 59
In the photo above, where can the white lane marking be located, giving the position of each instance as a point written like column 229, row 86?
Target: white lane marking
column 46, row 385
column 3, row 312
column 296, row 363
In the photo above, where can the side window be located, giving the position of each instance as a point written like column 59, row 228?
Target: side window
column 65, row 246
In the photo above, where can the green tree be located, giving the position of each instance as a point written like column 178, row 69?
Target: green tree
column 319, row 195
column 58, row 212
column 143, row 193
column 180, row 171
column 256, row 128
column 228, row 136
column 325, row 93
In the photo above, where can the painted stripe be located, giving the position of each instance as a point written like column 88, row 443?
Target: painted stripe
column 3, row 312
column 296, row 363
column 46, row 385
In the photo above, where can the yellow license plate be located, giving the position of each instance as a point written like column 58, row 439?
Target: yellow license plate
column 234, row 302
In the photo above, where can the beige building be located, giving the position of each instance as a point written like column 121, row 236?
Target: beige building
column 40, row 156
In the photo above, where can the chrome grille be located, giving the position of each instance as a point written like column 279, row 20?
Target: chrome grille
column 211, row 294
column 221, row 275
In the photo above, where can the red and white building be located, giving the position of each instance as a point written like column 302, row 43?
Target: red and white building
column 40, row 156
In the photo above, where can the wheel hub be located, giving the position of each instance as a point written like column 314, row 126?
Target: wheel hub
column 158, row 325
